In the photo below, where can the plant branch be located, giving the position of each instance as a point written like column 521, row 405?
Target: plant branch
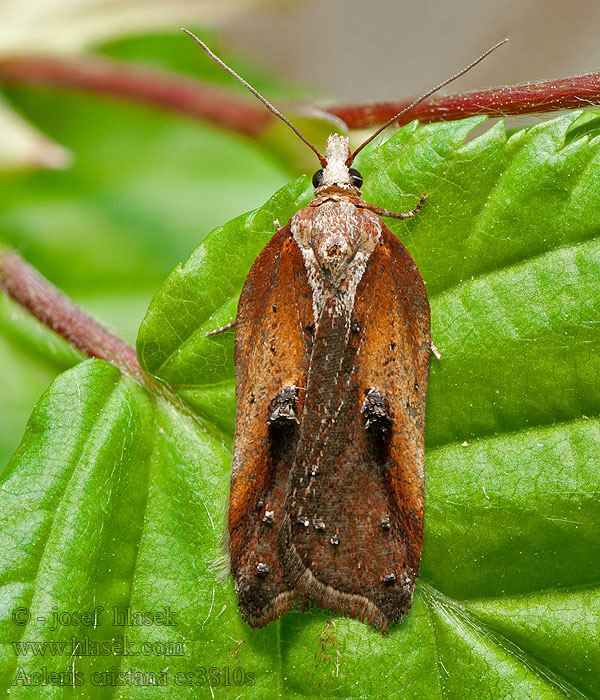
column 176, row 93
column 34, row 293
column 528, row 98
column 225, row 108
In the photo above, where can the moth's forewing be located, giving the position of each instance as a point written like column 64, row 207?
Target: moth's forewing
column 272, row 350
column 360, row 552
column 393, row 307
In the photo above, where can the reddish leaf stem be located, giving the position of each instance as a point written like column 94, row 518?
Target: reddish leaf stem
column 529, row 98
column 150, row 86
column 221, row 106
column 34, row 293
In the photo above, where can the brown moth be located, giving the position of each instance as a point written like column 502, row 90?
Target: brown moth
column 332, row 352
column 327, row 481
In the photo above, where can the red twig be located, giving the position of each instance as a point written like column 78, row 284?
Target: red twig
column 529, row 98
column 225, row 108
column 29, row 289
column 151, row 86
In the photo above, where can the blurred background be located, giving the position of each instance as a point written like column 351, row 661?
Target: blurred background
column 385, row 49
column 105, row 196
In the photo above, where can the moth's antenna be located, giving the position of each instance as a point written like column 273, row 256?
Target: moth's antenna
column 267, row 104
column 424, row 97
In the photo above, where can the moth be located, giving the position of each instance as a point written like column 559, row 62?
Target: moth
column 332, row 351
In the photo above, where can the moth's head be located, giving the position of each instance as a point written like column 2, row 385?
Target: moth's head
column 337, row 177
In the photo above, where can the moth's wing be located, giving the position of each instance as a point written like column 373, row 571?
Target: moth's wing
column 394, row 359
column 272, row 350
column 359, row 553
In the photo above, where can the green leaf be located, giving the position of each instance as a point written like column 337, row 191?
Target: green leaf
column 507, row 601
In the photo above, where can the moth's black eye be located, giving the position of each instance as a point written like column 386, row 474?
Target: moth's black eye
column 356, row 178
column 318, row 178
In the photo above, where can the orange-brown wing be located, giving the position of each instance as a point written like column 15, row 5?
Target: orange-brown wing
column 272, row 350
column 352, row 536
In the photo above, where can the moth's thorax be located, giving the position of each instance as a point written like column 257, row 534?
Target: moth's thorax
column 336, row 238
column 336, row 174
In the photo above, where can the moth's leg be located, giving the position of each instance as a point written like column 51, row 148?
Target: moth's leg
column 282, row 409
column 376, row 411
column 435, row 351
column 226, row 327
column 411, row 213
column 393, row 214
